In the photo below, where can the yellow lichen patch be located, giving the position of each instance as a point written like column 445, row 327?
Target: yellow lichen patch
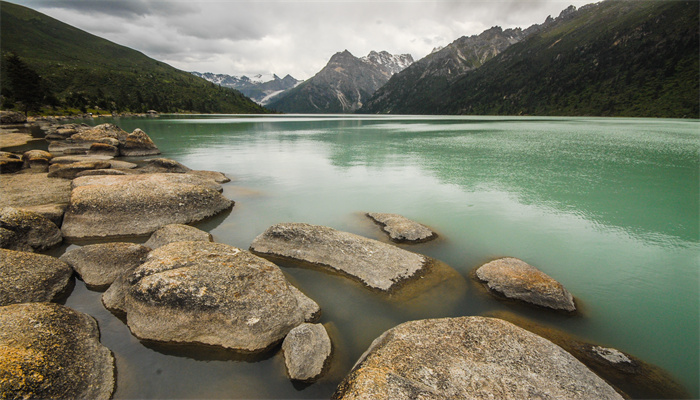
column 20, row 369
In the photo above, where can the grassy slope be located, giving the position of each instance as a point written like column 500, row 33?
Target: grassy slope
column 73, row 60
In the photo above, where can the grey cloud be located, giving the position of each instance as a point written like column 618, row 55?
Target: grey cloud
column 122, row 8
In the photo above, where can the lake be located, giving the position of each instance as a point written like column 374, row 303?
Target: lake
column 606, row 206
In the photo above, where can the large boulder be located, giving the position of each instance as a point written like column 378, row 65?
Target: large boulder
column 401, row 229
column 208, row 293
column 12, row 117
column 37, row 160
column 28, row 277
column 26, row 190
column 516, row 279
column 33, row 231
column 99, row 134
column 177, row 233
column 378, row 265
column 100, row 264
column 307, row 349
column 49, row 351
column 468, row 358
column 164, row 165
column 137, row 143
column 104, row 206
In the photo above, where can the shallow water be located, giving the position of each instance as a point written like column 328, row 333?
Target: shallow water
column 608, row 207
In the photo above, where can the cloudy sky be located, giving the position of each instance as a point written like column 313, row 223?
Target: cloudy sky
column 238, row 37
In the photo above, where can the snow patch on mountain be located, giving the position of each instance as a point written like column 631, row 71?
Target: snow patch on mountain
column 392, row 63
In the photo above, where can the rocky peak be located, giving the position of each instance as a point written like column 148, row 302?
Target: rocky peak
column 388, row 63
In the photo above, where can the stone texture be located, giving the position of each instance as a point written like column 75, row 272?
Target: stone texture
column 53, row 212
column 104, row 206
column 163, row 165
column 70, row 171
column 516, row 279
column 103, row 149
column 377, row 265
column 26, row 190
column 137, row 143
column 469, row 358
column 37, row 160
column 28, row 277
column 10, row 162
column 12, row 117
column 99, row 132
column 51, row 351
column 100, row 264
column 217, row 177
column 307, row 349
column 207, row 293
column 177, row 233
column 401, row 229
column 34, row 232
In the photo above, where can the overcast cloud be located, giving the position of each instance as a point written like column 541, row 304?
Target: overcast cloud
column 239, row 37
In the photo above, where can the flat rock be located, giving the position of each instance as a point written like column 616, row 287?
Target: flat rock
column 53, row 212
column 25, row 190
column 103, row 149
column 100, row 264
column 217, row 177
column 177, row 233
column 401, row 229
column 377, row 265
column 469, row 358
column 108, row 206
column 33, row 231
column 164, row 165
column 307, row 349
column 49, row 351
column 516, row 279
column 79, row 158
column 29, row 277
column 70, row 171
column 207, row 293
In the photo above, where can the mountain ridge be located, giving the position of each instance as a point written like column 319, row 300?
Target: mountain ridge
column 260, row 88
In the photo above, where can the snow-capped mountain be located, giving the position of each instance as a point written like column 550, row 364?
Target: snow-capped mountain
column 261, row 88
column 343, row 84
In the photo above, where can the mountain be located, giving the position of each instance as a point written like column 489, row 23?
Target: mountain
column 613, row 58
column 80, row 70
column 260, row 88
column 343, row 84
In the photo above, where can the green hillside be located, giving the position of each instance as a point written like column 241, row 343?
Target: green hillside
column 80, row 70
column 614, row 58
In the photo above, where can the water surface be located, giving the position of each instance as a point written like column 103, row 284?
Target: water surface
column 608, row 207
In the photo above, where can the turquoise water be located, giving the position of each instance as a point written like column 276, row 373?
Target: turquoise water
column 608, row 207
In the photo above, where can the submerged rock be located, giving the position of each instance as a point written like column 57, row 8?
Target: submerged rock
column 49, row 351
column 177, row 233
column 104, row 206
column 307, row 349
column 377, row 265
column 208, row 293
column 28, row 277
column 33, row 231
column 401, row 229
column 100, row 264
column 516, row 279
column 468, row 358
column 629, row 374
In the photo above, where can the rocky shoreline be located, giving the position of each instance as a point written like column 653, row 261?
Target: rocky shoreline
column 182, row 287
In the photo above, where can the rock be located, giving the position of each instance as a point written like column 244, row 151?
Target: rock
column 95, row 172
column 108, row 206
column 28, row 277
column 98, row 133
column 65, row 147
column 34, row 232
column 377, row 265
column 208, row 293
column 138, row 143
column 79, row 158
column 630, row 375
column 52, row 212
column 70, row 171
column 516, row 279
column 51, row 351
column 307, row 349
column 177, row 233
column 10, row 163
column 103, row 149
column 468, row 358
column 37, row 160
column 100, row 264
column 11, row 117
column 66, row 132
column 217, row 177
column 163, row 165
column 401, row 229
column 25, row 190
